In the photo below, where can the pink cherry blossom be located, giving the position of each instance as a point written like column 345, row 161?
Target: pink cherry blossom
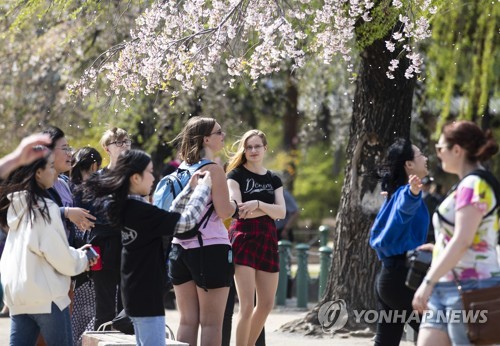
column 182, row 43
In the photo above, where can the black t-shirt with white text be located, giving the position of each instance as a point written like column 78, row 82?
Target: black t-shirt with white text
column 256, row 186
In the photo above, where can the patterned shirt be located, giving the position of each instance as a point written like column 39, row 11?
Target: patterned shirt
column 480, row 260
column 189, row 203
column 191, row 206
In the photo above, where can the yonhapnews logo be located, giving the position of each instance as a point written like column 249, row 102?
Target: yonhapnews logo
column 332, row 315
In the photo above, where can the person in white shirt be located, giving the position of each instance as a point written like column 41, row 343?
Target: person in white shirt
column 37, row 263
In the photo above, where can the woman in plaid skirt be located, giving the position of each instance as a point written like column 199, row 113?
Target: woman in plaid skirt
column 259, row 194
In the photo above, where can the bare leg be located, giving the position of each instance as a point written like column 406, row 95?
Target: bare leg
column 212, row 306
column 266, row 284
column 432, row 337
column 187, row 303
column 244, row 278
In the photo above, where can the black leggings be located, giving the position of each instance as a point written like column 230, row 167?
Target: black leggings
column 392, row 294
column 108, row 302
column 228, row 320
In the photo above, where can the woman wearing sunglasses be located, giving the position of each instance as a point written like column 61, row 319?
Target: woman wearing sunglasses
column 466, row 231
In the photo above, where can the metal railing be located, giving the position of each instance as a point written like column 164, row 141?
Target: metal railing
column 302, row 278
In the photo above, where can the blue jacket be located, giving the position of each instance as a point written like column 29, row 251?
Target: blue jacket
column 400, row 225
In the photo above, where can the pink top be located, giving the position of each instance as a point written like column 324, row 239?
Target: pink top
column 214, row 233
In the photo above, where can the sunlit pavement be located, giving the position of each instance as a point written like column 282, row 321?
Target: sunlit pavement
column 278, row 317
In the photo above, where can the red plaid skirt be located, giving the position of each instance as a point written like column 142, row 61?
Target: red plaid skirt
column 255, row 243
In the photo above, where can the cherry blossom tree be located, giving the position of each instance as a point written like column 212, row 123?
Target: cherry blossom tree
column 178, row 44
column 184, row 41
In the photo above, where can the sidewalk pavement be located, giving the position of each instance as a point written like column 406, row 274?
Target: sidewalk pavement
column 278, row 317
column 281, row 315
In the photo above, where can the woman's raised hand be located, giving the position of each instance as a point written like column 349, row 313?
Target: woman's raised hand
column 415, row 184
column 200, row 178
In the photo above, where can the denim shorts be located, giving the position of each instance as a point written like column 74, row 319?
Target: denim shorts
column 445, row 309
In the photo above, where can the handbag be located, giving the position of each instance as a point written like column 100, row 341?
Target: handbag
column 479, row 303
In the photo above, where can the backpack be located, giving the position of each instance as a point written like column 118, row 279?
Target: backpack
column 491, row 180
column 172, row 184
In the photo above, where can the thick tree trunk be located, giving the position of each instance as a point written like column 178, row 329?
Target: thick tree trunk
column 381, row 112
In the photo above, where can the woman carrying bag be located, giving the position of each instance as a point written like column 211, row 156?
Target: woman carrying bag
column 466, row 232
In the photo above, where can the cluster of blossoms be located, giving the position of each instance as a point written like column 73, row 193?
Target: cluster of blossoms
column 183, row 42
column 413, row 30
column 334, row 25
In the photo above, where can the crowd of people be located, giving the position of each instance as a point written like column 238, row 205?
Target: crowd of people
column 48, row 186
column 84, row 242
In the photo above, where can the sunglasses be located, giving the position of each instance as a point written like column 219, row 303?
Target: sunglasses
column 440, row 147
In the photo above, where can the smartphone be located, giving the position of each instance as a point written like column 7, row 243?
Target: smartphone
column 98, row 265
column 91, row 254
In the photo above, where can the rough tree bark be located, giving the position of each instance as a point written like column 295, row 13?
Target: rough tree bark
column 381, row 112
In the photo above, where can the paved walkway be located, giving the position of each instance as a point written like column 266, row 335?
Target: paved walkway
column 276, row 319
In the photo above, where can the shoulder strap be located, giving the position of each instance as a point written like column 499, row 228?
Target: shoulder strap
column 490, row 179
column 493, row 182
column 204, row 219
column 195, row 166
column 442, row 218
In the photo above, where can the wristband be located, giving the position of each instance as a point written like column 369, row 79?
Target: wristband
column 236, row 213
column 429, row 282
column 66, row 211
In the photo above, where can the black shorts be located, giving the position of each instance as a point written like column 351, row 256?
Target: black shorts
column 210, row 266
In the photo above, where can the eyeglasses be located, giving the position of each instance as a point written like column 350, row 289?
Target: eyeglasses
column 252, row 147
column 440, row 147
column 127, row 142
column 218, row 133
column 67, row 150
column 418, row 155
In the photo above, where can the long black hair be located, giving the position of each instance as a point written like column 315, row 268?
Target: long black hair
column 393, row 173
column 55, row 134
column 110, row 189
column 81, row 162
column 24, row 179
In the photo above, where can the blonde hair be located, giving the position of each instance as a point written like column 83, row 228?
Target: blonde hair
column 191, row 138
column 112, row 135
column 238, row 158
